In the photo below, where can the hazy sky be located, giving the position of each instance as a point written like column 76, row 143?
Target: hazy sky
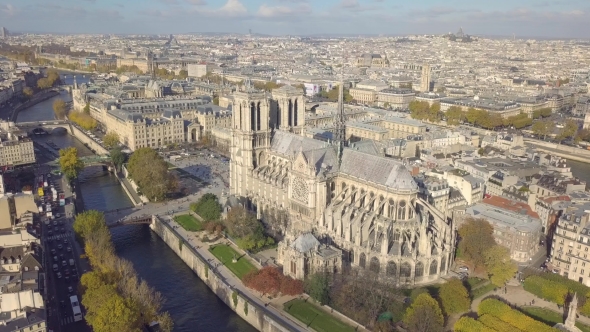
column 542, row 18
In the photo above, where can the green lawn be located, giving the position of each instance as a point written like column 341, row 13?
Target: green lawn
column 189, row 222
column 549, row 317
column 314, row 317
column 473, row 282
column 482, row 290
column 226, row 254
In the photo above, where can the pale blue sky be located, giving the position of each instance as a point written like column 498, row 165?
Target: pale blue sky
column 542, row 18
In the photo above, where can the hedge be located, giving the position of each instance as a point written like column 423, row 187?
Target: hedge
column 555, row 288
column 496, row 324
column 468, row 324
column 515, row 318
column 549, row 290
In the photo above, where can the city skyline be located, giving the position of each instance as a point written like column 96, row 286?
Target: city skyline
column 525, row 18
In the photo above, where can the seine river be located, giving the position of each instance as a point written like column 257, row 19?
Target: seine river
column 189, row 301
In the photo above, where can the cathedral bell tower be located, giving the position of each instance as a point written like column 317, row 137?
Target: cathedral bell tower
column 288, row 111
column 250, row 135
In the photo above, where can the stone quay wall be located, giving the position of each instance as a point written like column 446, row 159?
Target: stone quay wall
column 254, row 314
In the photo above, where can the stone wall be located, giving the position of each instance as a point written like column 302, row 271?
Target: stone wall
column 248, row 310
column 560, row 150
column 80, row 135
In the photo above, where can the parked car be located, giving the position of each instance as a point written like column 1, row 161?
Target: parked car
column 464, row 269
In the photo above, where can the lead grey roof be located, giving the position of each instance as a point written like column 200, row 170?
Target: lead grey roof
column 305, row 242
column 290, row 144
column 376, row 169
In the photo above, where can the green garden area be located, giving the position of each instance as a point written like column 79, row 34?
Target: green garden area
column 315, row 317
column 226, row 254
column 549, row 317
column 189, row 222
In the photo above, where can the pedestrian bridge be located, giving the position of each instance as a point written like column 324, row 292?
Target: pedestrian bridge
column 95, row 160
column 141, row 220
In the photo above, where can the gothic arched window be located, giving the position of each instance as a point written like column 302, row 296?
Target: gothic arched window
column 290, row 113
column 295, row 114
column 401, row 210
column 374, row 265
column 391, row 270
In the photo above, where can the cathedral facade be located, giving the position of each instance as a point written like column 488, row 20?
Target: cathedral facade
column 362, row 208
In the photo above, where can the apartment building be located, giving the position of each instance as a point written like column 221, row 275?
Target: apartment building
column 15, row 147
column 571, row 244
column 518, row 231
column 397, row 99
column 137, row 131
column 505, row 109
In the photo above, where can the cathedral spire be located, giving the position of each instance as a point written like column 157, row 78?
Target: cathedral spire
column 339, row 128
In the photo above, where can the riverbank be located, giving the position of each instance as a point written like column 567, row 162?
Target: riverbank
column 37, row 98
column 560, row 150
column 226, row 286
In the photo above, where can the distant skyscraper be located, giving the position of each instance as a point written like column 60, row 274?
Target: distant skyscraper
column 3, row 32
column 425, row 84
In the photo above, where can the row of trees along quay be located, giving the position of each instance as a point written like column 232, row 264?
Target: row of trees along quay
column 454, row 115
column 114, row 297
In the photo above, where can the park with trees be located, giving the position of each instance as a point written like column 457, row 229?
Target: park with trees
column 115, row 298
column 150, row 173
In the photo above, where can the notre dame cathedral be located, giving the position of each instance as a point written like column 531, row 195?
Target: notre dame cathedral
column 346, row 206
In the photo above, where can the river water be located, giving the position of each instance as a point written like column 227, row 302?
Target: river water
column 192, row 306
column 44, row 110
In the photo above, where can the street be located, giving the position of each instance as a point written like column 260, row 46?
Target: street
column 62, row 261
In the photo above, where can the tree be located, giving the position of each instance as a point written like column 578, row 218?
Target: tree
column 59, row 108
column 182, row 74
column 53, row 77
column 475, row 238
column 216, row 100
column 318, row 287
column 419, row 110
column 116, row 314
column 28, row 92
column 474, row 115
column 498, row 264
column 454, row 297
column 207, row 207
column 240, row 222
column 83, row 119
column 43, row 83
column 434, row 113
column 455, row 115
column 87, row 108
column 117, row 157
column 583, row 135
column 150, row 172
column 89, row 222
column 266, row 280
column 424, row 315
column 111, row 140
column 543, row 128
column 569, row 130
column 546, row 112
column 69, row 162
